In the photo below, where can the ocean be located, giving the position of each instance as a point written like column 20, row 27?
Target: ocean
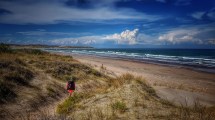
column 198, row 59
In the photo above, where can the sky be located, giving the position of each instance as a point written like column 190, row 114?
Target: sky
column 109, row 23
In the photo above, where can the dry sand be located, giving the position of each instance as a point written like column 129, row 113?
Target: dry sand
column 179, row 85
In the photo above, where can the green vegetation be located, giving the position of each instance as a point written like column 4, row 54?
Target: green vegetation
column 69, row 104
column 119, row 106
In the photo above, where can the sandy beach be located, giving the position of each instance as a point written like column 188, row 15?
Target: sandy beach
column 176, row 84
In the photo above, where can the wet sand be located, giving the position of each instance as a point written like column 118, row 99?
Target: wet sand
column 176, row 84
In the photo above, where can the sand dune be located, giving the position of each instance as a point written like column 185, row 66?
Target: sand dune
column 180, row 85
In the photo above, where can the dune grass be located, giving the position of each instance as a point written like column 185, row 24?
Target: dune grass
column 61, row 67
column 144, row 102
column 69, row 104
column 98, row 96
column 13, row 73
column 119, row 106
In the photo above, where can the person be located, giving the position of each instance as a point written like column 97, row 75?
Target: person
column 70, row 87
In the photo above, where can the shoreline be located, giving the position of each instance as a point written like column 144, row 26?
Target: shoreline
column 160, row 63
column 181, row 85
column 193, row 68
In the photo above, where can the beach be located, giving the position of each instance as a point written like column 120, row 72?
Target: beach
column 177, row 84
column 106, row 88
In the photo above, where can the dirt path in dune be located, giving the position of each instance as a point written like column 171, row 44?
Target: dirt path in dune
column 179, row 85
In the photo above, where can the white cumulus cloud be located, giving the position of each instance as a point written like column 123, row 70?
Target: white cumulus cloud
column 179, row 36
column 125, row 37
column 198, row 35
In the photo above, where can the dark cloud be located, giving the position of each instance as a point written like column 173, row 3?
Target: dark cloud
column 4, row 12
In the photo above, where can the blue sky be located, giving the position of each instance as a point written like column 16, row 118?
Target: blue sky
column 109, row 23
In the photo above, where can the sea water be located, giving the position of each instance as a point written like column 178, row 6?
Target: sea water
column 200, row 59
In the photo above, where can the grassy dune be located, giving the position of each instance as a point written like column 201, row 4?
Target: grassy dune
column 127, row 97
column 32, row 81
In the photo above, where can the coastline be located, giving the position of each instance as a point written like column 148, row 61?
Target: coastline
column 173, row 83
column 201, row 64
column 102, row 83
column 189, row 67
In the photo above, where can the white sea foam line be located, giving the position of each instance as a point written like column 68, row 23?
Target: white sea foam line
column 163, row 58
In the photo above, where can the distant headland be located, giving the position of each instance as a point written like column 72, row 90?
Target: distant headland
column 45, row 46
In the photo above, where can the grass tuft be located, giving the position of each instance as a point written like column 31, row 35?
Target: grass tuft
column 119, row 106
column 196, row 112
column 146, row 86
